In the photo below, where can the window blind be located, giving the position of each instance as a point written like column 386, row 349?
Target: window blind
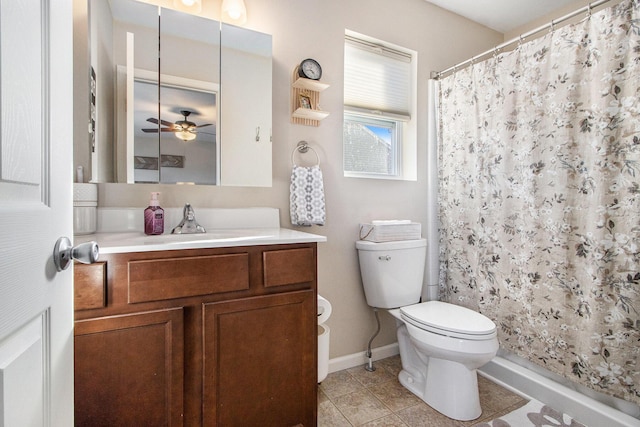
column 376, row 78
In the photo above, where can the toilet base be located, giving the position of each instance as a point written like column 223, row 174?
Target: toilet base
column 450, row 388
column 441, row 370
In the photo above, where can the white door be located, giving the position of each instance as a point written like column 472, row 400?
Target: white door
column 36, row 302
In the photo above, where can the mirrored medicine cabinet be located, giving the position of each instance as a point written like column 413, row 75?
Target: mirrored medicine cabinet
column 176, row 98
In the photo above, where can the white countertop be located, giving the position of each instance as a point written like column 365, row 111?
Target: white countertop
column 115, row 242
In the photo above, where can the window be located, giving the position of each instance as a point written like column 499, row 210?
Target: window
column 370, row 145
column 379, row 137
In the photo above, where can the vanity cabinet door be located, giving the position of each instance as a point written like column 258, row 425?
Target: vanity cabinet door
column 260, row 361
column 129, row 369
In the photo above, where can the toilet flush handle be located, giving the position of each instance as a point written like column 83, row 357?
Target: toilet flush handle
column 384, row 257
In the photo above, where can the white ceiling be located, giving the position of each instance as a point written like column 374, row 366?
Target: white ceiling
column 502, row 15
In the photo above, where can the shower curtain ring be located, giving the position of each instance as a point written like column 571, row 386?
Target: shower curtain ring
column 589, row 9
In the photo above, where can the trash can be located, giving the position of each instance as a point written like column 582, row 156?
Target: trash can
column 324, row 333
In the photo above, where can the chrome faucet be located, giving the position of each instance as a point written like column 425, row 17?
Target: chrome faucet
column 188, row 225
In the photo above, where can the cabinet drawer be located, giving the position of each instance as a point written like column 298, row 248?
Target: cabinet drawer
column 289, row 266
column 89, row 285
column 163, row 279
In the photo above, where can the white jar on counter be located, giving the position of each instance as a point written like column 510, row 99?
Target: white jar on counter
column 85, row 203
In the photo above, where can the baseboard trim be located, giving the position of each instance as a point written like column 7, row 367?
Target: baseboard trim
column 357, row 359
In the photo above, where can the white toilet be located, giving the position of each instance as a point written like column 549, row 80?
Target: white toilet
column 441, row 344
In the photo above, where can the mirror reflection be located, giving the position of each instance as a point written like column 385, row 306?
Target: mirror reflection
column 186, row 127
column 177, row 119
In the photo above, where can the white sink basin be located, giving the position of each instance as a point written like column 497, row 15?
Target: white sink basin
column 215, row 236
column 136, row 238
column 225, row 228
column 139, row 242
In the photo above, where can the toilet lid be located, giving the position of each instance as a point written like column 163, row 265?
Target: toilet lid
column 449, row 319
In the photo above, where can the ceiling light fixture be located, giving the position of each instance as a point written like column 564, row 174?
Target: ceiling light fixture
column 189, row 6
column 185, row 135
column 234, row 12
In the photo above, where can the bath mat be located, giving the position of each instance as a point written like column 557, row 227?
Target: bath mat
column 533, row 414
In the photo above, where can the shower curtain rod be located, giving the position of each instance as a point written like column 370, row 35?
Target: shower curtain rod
column 439, row 74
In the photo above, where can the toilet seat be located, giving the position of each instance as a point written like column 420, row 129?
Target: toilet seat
column 449, row 320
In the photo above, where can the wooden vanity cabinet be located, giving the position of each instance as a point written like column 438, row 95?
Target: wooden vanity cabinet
column 198, row 337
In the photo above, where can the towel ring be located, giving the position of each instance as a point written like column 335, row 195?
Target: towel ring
column 303, row 147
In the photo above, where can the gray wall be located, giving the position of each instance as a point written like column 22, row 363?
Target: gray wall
column 315, row 29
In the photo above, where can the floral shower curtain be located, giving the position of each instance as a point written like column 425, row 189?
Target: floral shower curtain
column 539, row 155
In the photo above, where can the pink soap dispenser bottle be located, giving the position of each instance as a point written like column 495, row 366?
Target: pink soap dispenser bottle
column 154, row 217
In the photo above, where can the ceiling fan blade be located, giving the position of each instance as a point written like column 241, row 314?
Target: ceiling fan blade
column 155, row 130
column 156, row 121
column 201, row 126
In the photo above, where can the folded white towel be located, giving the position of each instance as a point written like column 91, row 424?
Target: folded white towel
column 307, row 196
column 391, row 222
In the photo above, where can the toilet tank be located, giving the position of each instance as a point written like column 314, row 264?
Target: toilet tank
column 392, row 272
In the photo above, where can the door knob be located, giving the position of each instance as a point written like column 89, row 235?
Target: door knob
column 63, row 253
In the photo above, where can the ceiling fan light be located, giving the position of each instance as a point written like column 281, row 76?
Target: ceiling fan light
column 189, row 6
column 185, row 135
column 234, row 12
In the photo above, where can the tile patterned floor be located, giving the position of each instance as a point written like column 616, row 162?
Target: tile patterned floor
column 355, row 397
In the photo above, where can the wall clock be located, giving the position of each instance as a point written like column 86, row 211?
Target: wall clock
column 310, row 69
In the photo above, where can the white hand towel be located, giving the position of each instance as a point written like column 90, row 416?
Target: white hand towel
column 307, row 196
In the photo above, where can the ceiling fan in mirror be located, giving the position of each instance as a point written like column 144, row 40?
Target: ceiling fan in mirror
column 185, row 130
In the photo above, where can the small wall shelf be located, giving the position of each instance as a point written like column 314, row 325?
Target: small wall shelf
column 308, row 114
column 305, row 100
column 314, row 85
